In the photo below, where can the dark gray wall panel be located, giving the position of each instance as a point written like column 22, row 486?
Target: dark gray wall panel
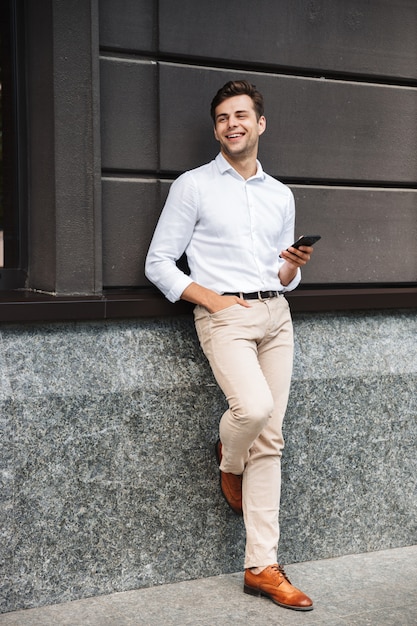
column 368, row 235
column 129, row 113
column 128, row 24
column 321, row 129
column 317, row 129
column 372, row 37
column 41, row 148
column 63, row 148
column 130, row 212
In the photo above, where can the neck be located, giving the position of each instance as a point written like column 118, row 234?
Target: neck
column 246, row 167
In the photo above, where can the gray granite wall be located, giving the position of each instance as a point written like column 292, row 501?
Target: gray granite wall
column 108, row 477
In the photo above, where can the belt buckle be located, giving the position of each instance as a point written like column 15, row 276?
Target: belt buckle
column 260, row 296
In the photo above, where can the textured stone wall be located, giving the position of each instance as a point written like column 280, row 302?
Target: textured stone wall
column 108, row 475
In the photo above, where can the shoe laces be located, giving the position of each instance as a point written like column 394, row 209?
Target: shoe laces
column 280, row 570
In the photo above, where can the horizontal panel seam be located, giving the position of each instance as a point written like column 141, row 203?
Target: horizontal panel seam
column 260, row 68
column 155, row 176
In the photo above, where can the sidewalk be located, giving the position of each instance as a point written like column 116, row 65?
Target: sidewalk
column 378, row 588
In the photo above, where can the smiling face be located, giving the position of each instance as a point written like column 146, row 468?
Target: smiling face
column 237, row 128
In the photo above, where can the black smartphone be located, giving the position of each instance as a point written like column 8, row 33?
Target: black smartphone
column 306, row 240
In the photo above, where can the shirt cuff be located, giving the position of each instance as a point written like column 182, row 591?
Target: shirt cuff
column 174, row 294
column 293, row 284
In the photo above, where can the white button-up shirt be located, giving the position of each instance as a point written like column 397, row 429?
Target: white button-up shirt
column 231, row 229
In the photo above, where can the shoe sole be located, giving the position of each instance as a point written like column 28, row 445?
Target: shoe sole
column 258, row 593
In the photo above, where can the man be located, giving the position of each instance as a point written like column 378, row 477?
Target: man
column 236, row 225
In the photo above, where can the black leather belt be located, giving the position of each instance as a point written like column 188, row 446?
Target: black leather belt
column 254, row 295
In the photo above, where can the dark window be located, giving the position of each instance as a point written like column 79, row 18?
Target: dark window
column 12, row 240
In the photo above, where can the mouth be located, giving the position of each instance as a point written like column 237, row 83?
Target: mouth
column 233, row 136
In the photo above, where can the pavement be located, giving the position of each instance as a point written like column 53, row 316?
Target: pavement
column 377, row 588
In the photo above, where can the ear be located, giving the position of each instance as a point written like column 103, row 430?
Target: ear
column 215, row 133
column 261, row 125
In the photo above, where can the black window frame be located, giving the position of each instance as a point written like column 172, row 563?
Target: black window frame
column 13, row 274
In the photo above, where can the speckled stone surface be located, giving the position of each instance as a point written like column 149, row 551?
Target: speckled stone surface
column 108, row 477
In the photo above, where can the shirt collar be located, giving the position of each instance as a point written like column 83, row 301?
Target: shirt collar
column 224, row 166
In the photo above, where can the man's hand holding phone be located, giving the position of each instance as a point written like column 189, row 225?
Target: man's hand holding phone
column 296, row 256
column 300, row 251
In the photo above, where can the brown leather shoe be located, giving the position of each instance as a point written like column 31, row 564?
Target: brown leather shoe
column 273, row 583
column 230, row 484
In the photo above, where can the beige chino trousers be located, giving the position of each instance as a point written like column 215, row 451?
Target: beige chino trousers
column 250, row 351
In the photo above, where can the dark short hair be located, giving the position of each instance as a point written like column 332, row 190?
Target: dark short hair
column 238, row 88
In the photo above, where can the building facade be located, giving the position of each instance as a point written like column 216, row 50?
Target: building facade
column 108, row 409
